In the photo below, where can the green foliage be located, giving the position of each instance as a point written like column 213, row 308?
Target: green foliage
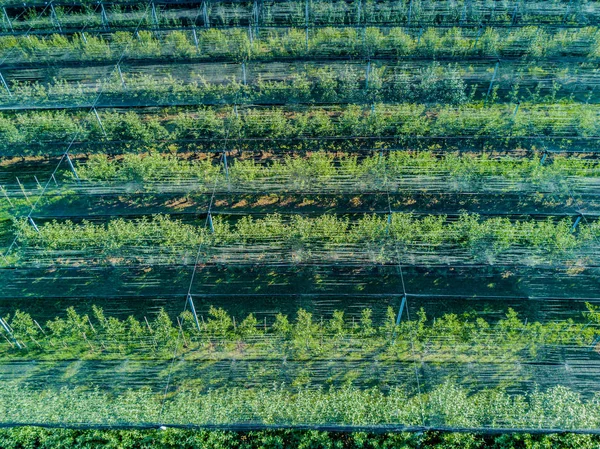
column 543, row 241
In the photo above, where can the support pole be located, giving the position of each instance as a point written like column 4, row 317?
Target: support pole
column 409, row 12
column 8, row 19
column 399, row 317
column 492, row 81
column 83, row 38
column 478, row 35
column 420, row 34
column 104, row 17
column 9, row 331
column 190, row 302
column 121, row 76
column 6, row 196
column 72, row 167
column 564, row 18
column 306, row 15
column 514, row 16
column 516, row 109
column 55, row 17
column 154, row 15
column 544, row 156
column 100, row 122
column 210, row 223
column 244, row 73
column 5, row 84
column 255, row 16
column 23, row 190
column 367, row 73
column 195, row 39
column 205, row 19
column 576, row 223
column 226, row 166
column 33, row 224
column 389, row 223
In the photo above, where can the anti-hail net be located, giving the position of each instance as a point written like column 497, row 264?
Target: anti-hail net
column 339, row 215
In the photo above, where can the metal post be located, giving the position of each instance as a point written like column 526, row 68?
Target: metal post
column 543, row 158
column 306, row 15
column 389, row 223
column 250, row 37
column 210, row 223
column 99, row 122
column 8, row 19
column 9, row 331
column 463, row 15
column 226, row 166
column 3, row 81
column 121, row 75
column 54, row 17
column 72, row 167
column 104, row 17
column 399, row 317
column 409, row 12
column 6, row 195
column 516, row 109
column 492, row 81
column 576, row 223
column 195, row 39
column 368, row 71
column 255, row 16
column 244, row 73
column 190, row 301
column 33, row 224
column 514, row 16
column 420, row 34
column 565, row 16
column 154, row 15
column 83, row 38
column 205, row 15
column 478, row 35
column 23, row 190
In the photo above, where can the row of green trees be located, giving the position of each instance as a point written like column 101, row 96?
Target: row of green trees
column 433, row 84
column 30, row 132
column 364, row 84
column 41, row 438
column 321, row 169
column 218, row 335
column 356, row 13
column 235, row 44
column 428, row 239
column 445, row 405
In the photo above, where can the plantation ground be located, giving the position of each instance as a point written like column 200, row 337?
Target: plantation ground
column 300, row 213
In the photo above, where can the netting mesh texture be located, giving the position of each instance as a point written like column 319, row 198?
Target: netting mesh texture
column 352, row 215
